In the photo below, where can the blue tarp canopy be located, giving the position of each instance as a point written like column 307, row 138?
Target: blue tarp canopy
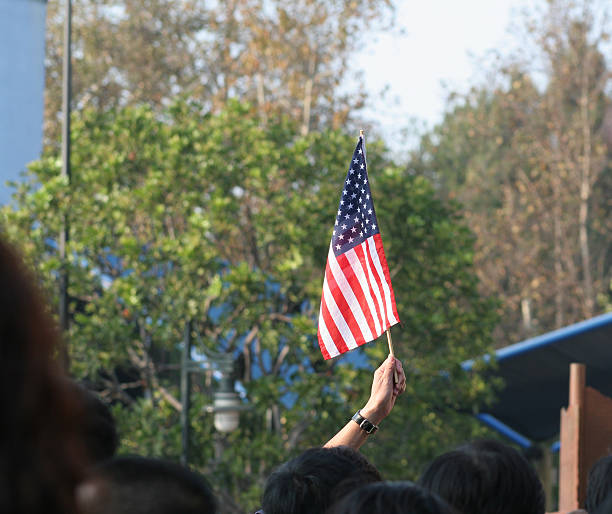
column 536, row 376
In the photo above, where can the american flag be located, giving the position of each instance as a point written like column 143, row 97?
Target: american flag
column 357, row 303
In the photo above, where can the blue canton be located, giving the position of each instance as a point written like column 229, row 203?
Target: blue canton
column 356, row 218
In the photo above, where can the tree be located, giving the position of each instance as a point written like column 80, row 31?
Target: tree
column 532, row 167
column 124, row 52
column 212, row 218
column 576, row 105
column 285, row 58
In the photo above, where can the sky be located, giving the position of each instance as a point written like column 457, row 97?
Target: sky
column 434, row 44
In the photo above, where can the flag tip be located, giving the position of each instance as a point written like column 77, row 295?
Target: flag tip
column 360, row 132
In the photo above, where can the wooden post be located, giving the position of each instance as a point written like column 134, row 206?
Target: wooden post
column 571, row 429
column 577, row 384
column 586, row 435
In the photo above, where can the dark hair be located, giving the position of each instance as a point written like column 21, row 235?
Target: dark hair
column 41, row 452
column 98, row 426
column 599, row 484
column 139, row 485
column 314, row 480
column 391, row 498
column 486, row 477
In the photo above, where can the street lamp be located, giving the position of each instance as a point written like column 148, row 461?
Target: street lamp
column 64, row 234
column 226, row 406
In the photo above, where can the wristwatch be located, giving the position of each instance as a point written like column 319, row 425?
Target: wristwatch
column 365, row 424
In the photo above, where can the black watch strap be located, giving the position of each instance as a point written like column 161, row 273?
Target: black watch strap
column 365, row 424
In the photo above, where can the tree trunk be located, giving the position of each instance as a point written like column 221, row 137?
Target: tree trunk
column 585, row 194
column 557, row 212
column 308, row 95
column 261, row 96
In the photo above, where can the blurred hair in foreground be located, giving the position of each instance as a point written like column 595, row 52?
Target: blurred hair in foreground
column 139, row 485
column 41, row 451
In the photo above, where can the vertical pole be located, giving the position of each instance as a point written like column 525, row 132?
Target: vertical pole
column 392, row 353
column 546, row 476
column 64, row 233
column 185, row 393
column 390, row 342
column 549, row 478
column 571, row 455
column 577, row 384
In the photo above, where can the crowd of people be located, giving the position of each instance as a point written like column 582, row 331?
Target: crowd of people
column 58, row 444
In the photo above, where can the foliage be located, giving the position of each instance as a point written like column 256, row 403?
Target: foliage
column 224, row 221
column 530, row 160
column 284, row 57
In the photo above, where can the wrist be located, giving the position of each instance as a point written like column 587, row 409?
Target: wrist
column 364, row 424
column 375, row 415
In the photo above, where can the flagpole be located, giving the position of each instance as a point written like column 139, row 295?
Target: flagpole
column 389, row 340
column 392, row 353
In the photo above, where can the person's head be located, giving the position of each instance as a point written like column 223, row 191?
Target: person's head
column 41, row 452
column 391, row 498
column 599, row 484
column 486, row 477
column 139, row 485
column 312, row 481
column 98, row 426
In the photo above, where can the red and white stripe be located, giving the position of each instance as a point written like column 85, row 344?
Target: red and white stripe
column 357, row 303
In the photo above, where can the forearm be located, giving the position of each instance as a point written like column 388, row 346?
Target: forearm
column 352, row 434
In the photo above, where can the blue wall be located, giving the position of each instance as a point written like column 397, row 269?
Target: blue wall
column 22, row 76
